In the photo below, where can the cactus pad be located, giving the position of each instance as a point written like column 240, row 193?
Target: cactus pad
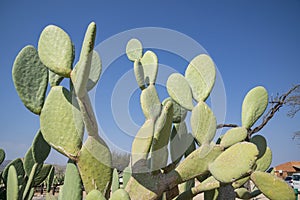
column 195, row 165
column 261, row 144
column 115, row 181
column 180, row 91
column 134, row 49
column 254, row 105
column 234, row 163
column 264, row 162
column 126, row 175
column 142, row 142
column 18, row 165
column 28, row 161
column 203, row 123
column 178, row 143
column 95, row 195
column 95, row 71
column 12, row 192
column 233, row 136
column 56, row 50
column 83, row 67
column 120, row 194
column 42, row 174
column 163, row 126
column 61, row 122
column 72, row 183
column 242, row 193
column 30, row 77
column 201, row 75
column 2, row 155
column 54, row 79
column 94, row 164
column 150, row 103
column 179, row 113
column 150, row 67
column 267, row 183
column 40, row 148
column 139, row 74
column 162, row 130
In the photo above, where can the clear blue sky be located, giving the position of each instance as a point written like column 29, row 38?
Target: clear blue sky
column 252, row 43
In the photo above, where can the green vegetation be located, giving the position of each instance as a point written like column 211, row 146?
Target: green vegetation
column 66, row 112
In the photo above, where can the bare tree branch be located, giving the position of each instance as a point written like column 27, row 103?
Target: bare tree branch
column 276, row 105
column 226, row 125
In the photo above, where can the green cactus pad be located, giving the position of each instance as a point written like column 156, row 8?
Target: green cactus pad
column 234, row 163
column 254, row 105
column 233, row 136
column 150, row 103
column 94, row 164
column 264, row 162
column 211, row 194
column 179, row 113
column 115, row 181
column 30, row 179
column 12, row 192
column 178, row 144
column 30, row 78
column 186, row 186
column 201, row 75
column 142, row 142
column 95, row 195
column 180, row 91
column 267, row 183
column 163, row 127
column 42, row 174
column 56, row 50
column 2, row 155
column 162, row 130
column 261, row 144
column 28, row 161
column 120, row 194
column 203, row 123
column 72, row 183
column 139, row 74
column 95, row 71
column 150, row 65
column 40, row 148
column 134, row 49
column 83, row 67
column 50, row 179
column 126, row 175
column 61, row 122
column 18, row 165
column 195, row 164
column 191, row 142
column 54, row 79
column 240, row 182
column 242, row 193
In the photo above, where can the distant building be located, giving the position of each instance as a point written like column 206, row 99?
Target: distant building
column 287, row 169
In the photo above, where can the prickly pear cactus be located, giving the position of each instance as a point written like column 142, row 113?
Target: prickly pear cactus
column 209, row 161
column 66, row 114
column 2, row 155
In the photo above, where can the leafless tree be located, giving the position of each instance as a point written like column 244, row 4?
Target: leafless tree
column 291, row 98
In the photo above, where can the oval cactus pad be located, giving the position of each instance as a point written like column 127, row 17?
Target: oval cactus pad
column 61, row 122
column 254, row 105
column 234, row 162
column 30, row 77
column 56, row 50
column 201, row 75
